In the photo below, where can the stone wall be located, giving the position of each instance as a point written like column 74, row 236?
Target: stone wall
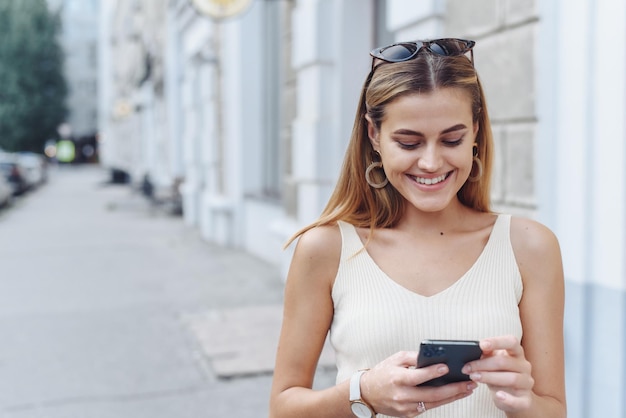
column 506, row 34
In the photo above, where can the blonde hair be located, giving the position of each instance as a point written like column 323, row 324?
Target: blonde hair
column 353, row 200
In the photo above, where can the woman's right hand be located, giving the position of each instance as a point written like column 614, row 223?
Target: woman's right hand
column 391, row 388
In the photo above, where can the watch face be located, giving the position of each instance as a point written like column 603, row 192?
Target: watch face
column 360, row 410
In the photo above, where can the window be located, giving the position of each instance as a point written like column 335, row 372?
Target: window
column 382, row 36
column 275, row 107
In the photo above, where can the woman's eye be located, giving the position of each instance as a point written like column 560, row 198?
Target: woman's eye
column 407, row 145
column 453, row 142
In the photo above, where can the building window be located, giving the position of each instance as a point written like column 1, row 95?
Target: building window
column 274, row 107
column 382, row 36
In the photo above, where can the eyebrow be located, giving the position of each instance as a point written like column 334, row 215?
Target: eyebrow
column 454, row 128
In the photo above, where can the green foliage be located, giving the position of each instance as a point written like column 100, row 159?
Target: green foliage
column 32, row 87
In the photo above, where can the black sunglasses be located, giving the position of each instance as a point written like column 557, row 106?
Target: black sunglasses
column 405, row 51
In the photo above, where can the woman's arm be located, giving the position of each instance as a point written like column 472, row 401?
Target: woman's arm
column 308, row 313
column 541, row 310
column 527, row 379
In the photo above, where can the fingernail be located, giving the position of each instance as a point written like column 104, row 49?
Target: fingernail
column 471, row 386
column 467, row 369
column 475, row 376
column 501, row 395
column 442, row 370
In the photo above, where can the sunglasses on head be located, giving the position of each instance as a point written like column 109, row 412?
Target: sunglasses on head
column 405, row 51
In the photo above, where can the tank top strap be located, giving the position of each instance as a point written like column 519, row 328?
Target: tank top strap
column 501, row 231
column 350, row 240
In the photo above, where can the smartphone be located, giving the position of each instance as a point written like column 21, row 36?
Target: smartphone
column 454, row 353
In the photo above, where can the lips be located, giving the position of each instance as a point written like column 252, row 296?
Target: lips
column 431, row 180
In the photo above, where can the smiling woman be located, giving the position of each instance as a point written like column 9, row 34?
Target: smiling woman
column 407, row 249
column 426, row 144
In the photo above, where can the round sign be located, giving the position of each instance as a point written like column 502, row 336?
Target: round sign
column 220, row 9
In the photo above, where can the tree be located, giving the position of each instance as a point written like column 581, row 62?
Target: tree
column 32, row 86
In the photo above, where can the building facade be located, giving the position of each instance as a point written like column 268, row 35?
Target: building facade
column 254, row 113
column 132, row 117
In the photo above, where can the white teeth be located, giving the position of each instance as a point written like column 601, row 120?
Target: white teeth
column 435, row 180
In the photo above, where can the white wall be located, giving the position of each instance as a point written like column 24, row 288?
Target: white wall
column 582, row 188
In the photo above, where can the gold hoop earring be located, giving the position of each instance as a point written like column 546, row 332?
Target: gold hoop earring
column 369, row 181
column 479, row 164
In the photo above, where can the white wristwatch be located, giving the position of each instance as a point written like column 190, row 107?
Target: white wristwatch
column 359, row 407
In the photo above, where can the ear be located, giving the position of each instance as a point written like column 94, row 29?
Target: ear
column 372, row 133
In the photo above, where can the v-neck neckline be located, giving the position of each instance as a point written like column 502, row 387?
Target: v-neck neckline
column 445, row 290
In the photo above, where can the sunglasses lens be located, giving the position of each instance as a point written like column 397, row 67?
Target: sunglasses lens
column 400, row 52
column 448, row 47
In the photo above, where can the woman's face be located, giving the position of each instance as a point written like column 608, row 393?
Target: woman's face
column 425, row 142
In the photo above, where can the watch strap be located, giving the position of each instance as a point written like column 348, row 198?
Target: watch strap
column 355, row 392
column 355, row 386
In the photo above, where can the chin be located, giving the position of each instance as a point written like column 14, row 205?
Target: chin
column 430, row 208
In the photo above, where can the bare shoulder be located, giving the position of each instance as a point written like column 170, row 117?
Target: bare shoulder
column 532, row 237
column 321, row 241
column 535, row 246
column 317, row 253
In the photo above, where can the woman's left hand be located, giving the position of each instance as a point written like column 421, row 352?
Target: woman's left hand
column 505, row 370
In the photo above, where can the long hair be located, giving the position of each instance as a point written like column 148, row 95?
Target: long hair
column 353, row 200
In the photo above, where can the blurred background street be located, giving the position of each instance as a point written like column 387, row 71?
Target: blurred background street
column 111, row 307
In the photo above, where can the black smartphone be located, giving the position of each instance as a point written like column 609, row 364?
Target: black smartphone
column 454, row 353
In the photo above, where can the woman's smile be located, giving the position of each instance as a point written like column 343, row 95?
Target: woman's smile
column 430, row 181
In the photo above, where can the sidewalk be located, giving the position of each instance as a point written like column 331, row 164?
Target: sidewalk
column 110, row 307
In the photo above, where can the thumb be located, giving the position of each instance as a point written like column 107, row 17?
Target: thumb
column 404, row 359
column 425, row 374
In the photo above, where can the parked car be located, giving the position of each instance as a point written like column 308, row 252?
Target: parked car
column 13, row 172
column 6, row 191
column 35, row 168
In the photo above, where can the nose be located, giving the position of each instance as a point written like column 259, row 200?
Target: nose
column 430, row 159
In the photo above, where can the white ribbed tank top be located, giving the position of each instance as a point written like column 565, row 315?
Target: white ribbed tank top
column 376, row 317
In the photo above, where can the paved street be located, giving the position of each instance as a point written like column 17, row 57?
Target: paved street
column 112, row 308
